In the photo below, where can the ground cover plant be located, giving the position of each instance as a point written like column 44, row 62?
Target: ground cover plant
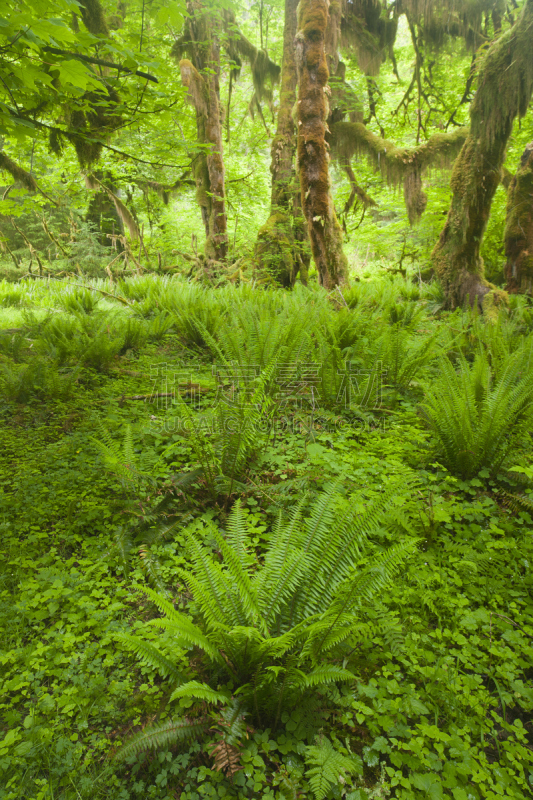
column 266, row 399
column 259, row 543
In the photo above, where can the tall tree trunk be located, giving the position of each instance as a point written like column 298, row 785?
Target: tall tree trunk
column 103, row 216
column 201, row 77
column 505, row 85
column 519, row 227
column 279, row 243
column 325, row 232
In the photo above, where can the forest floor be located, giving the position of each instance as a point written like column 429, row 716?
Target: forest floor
column 102, row 471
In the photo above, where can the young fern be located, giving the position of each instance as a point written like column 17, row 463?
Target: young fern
column 326, row 765
column 121, row 459
column 225, row 440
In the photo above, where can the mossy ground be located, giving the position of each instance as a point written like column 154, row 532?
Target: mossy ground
column 445, row 706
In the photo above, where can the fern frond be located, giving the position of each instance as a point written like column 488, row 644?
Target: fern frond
column 515, row 502
column 199, row 691
column 150, row 655
column 179, row 622
column 241, row 581
column 226, row 757
column 188, row 634
column 478, row 412
column 326, row 766
column 321, row 676
column 209, row 585
column 162, row 737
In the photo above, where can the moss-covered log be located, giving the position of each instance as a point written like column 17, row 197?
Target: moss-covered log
column 325, row 233
column 399, row 166
column 505, row 85
column 519, row 227
column 201, row 75
column 278, row 246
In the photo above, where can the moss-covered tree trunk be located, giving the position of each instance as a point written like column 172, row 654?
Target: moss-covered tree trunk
column 103, row 216
column 279, row 245
column 519, row 227
column 325, row 233
column 505, row 85
column 201, row 76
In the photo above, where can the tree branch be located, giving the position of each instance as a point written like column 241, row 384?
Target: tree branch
column 398, row 165
column 100, row 62
column 70, row 135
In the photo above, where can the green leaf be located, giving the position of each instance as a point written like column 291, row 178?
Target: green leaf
column 199, row 691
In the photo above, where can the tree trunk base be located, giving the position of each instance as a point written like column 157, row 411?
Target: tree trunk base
column 276, row 250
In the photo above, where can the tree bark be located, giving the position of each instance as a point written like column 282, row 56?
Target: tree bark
column 505, row 85
column 519, row 227
column 103, row 216
column 201, row 76
column 280, row 242
column 325, row 233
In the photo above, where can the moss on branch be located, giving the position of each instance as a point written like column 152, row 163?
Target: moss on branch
column 17, row 173
column 399, row 166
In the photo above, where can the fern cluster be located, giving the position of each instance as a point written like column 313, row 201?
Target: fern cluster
column 225, row 439
column 478, row 411
column 273, row 629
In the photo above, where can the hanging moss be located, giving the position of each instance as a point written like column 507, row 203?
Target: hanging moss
column 265, row 73
column 96, row 117
column 519, row 227
column 55, row 141
column 369, row 29
column 96, row 114
column 344, row 100
column 197, row 88
column 439, row 19
column 399, row 166
column 325, row 233
column 505, row 86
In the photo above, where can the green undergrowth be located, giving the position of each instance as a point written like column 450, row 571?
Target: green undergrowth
column 159, row 440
